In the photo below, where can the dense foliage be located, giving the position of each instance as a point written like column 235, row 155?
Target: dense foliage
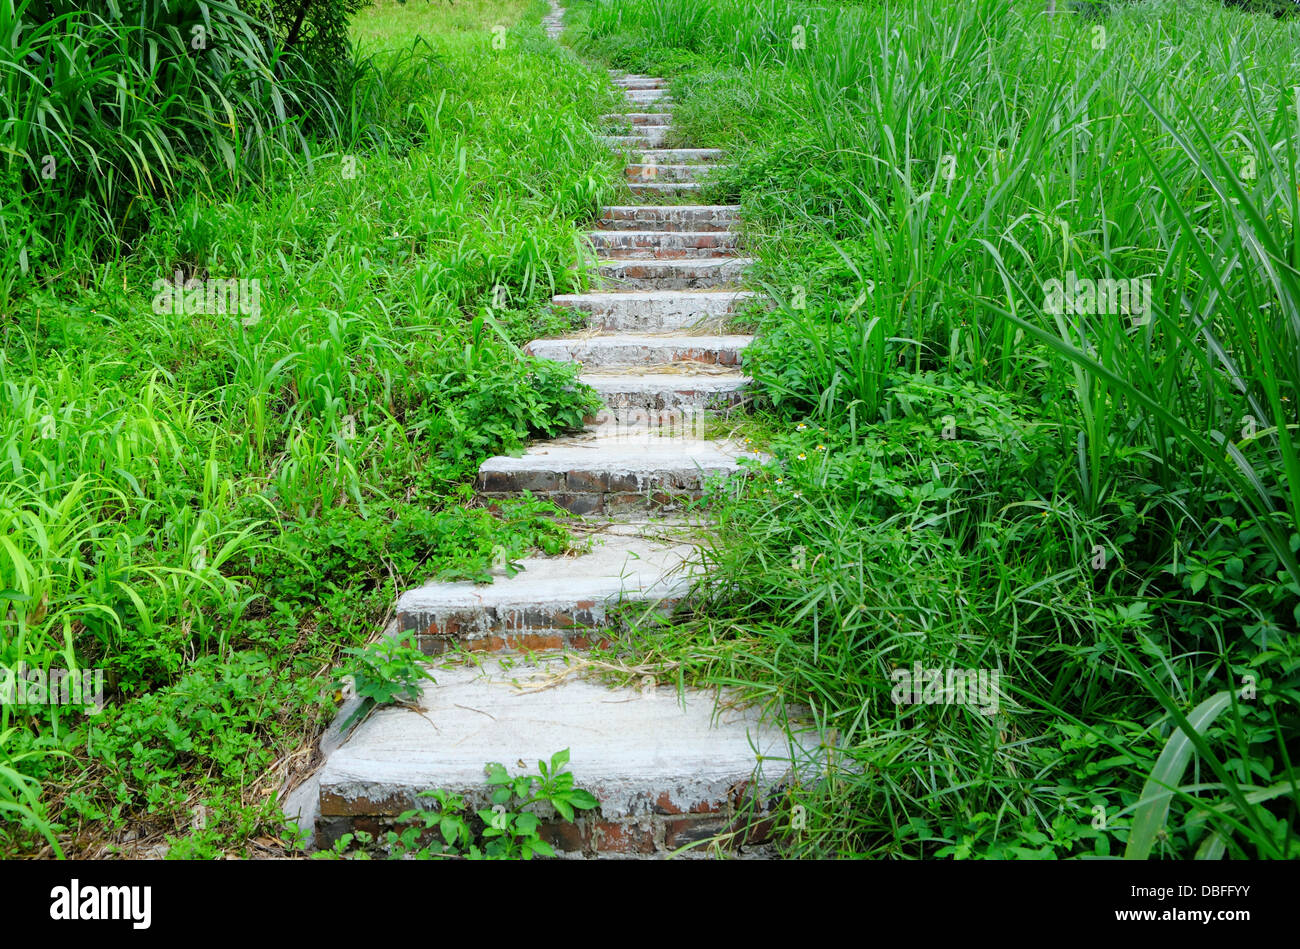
column 1099, row 500
column 210, row 506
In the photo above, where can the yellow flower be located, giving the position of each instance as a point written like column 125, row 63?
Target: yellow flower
column 802, row 456
column 802, row 426
column 821, row 447
column 780, row 480
column 798, row 494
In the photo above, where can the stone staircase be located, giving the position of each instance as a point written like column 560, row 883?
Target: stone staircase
column 669, row 770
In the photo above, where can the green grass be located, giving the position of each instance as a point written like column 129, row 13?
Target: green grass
column 211, row 506
column 1100, row 505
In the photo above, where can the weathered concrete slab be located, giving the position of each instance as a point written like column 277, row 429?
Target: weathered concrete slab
column 663, row 245
column 553, row 602
column 640, row 82
column 666, row 402
column 681, row 156
column 664, row 188
column 653, row 311
column 677, row 217
column 639, row 118
column 642, row 350
column 666, row 771
column 684, row 274
column 612, row 472
column 645, row 136
column 647, row 95
column 642, row 172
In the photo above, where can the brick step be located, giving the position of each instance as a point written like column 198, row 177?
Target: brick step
column 684, row 274
column 640, row 82
column 639, row 118
column 668, row 769
column 553, row 602
column 642, row 172
column 627, row 350
column 680, row 217
column 646, row 136
column 652, row 311
column 663, row 245
column 611, row 474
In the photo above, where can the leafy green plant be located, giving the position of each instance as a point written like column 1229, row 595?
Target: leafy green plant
column 508, row 829
column 388, row 672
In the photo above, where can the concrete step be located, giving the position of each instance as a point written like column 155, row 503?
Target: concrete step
column 666, row 402
column 553, row 602
column 610, row 473
column 680, row 217
column 648, row 95
column 639, row 118
column 668, row 769
column 640, row 82
column 679, row 156
column 653, row 171
column 653, row 311
column 665, row 189
column 646, row 136
column 628, row 350
column 684, row 274
column 663, row 245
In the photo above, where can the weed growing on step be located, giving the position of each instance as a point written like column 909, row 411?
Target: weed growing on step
column 388, row 672
column 509, row 828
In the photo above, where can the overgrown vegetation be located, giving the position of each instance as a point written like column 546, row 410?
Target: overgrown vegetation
column 1100, row 503
column 1096, row 497
column 211, row 503
column 509, row 827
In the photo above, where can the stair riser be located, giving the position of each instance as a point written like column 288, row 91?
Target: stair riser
column 665, row 188
column 657, row 275
column 666, row 826
column 493, row 629
column 636, row 417
column 663, row 246
column 646, row 136
column 661, row 498
column 632, row 218
column 646, row 173
column 619, row 313
column 646, row 95
column 680, row 156
column 627, row 83
column 632, row 355
column 639, row 119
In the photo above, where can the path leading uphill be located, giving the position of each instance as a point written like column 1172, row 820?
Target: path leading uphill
column 667, row 772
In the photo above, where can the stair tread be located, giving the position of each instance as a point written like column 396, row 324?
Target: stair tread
column 599, row 452
column 641, row 751
column 617, row 567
